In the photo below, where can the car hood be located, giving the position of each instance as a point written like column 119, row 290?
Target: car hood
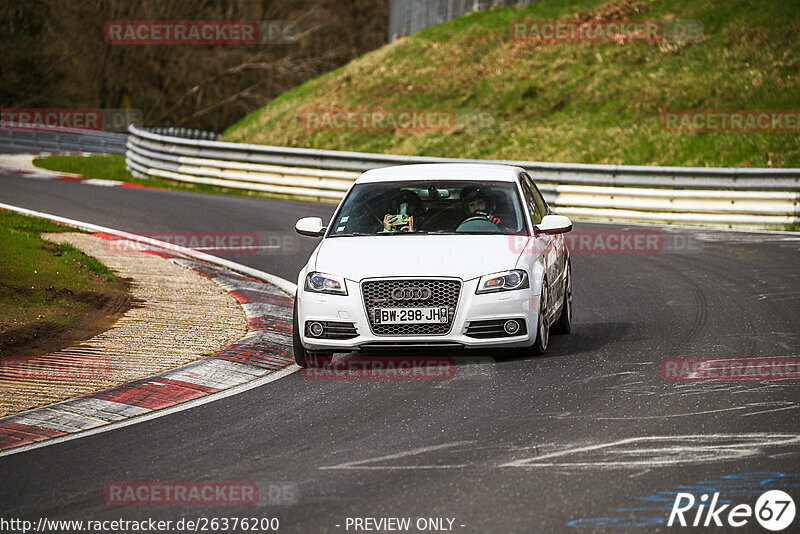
column 461, row 256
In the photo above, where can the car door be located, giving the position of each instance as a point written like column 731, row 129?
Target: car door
column 544, row 244
column 559, row 253
column 554, row 247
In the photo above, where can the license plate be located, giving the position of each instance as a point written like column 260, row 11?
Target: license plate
column 411, row 315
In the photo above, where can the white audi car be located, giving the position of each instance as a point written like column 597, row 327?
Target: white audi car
column 428, row 256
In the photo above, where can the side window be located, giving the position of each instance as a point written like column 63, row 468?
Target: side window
column 541, row 205
column 530, row 199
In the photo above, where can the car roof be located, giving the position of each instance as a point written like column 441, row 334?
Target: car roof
column 484, row 172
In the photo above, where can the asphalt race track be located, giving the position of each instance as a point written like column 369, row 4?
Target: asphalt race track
column 586, row 438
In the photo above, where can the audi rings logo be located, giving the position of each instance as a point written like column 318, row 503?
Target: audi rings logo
column 411, row 293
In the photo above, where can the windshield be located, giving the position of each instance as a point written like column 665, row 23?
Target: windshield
column 430, row 207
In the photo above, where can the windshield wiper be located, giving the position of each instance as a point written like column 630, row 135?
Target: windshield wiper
column 398, row 232
column 350, row 234
column 380, row 234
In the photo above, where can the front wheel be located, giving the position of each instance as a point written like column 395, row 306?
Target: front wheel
column 300, row 352
column 542, row 323
column 564, row 323
column 303, row 357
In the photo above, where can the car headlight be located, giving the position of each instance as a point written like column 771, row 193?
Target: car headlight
column 325, row 283
column 504, row 281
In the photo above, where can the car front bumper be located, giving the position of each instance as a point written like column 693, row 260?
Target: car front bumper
column 521, row 304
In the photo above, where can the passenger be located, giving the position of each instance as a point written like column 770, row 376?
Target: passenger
column 404, row 212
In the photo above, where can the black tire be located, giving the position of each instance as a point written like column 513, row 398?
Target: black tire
column 303, row 357
column 564, row 323
column 319, row 360
column 300, row 352
column 542, row 323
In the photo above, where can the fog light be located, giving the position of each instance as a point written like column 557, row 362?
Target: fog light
column 511, row 327
column 315, row 329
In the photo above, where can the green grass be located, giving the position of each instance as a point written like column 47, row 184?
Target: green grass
column 583, row 103
column 113, row 168
column 106, row 167
column 39, row 280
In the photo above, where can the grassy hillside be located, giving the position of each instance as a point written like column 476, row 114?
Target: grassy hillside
column 570, row 102
column 51, row 295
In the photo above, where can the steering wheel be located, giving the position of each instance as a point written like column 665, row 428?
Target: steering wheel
column 478, row 223
column 476, row 218
column 485, row 216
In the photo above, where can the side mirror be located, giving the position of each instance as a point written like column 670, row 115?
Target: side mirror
column 310, row 226
column 554, row 224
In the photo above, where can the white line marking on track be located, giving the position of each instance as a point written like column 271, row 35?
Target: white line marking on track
column 359, row 463
column 102, row 183
column 237, row 248
column 664, row 451
column 794, row 406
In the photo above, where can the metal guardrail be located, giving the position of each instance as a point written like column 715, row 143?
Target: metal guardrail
column 564, row 173
column 753, row 198
column 63, row 140
column 186, row 133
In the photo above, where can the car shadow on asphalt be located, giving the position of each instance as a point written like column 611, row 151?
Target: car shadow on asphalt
column 585, row 338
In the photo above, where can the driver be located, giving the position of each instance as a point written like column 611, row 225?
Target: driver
column 479, row 202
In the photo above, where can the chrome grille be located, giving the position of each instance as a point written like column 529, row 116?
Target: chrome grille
column 378, row 293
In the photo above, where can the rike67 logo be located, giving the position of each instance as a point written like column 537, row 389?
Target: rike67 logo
column 774, row 510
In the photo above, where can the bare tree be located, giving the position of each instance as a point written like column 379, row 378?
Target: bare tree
column 56, row 56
